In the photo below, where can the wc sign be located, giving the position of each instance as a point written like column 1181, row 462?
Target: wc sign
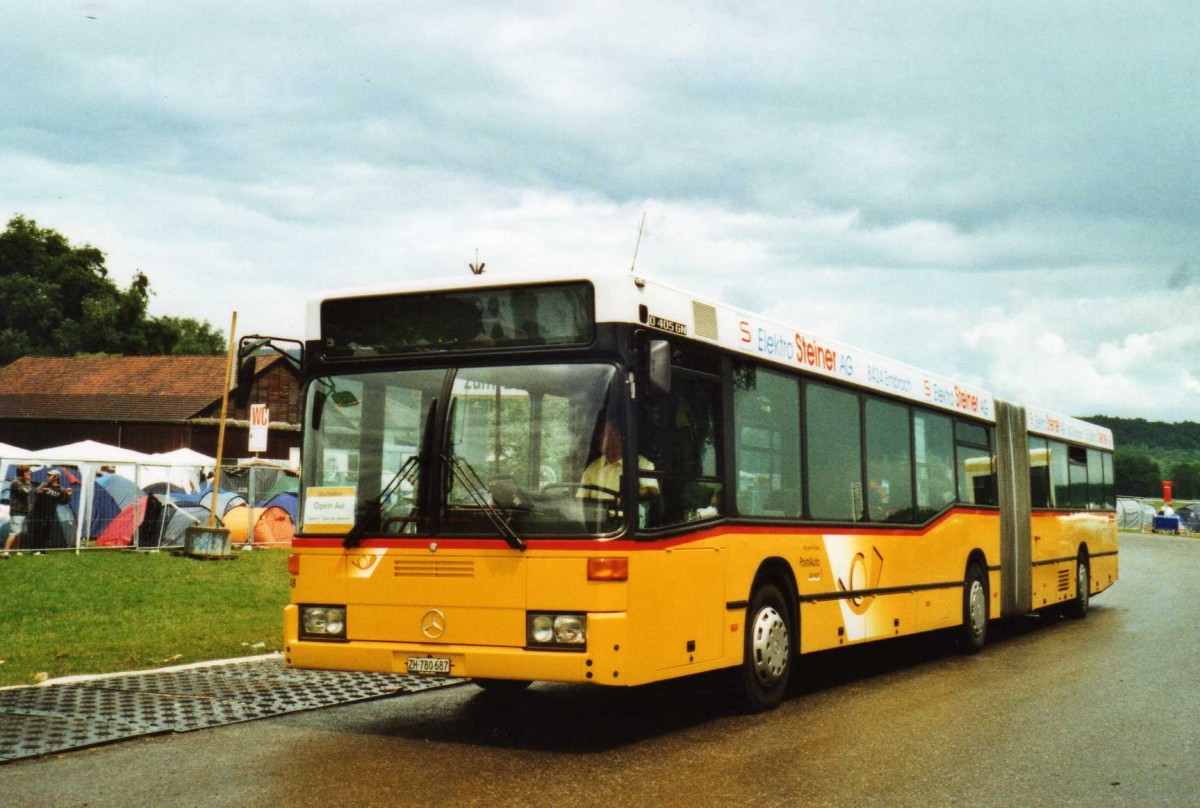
column 260, row 417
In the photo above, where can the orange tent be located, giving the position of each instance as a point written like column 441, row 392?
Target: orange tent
column 272, row 526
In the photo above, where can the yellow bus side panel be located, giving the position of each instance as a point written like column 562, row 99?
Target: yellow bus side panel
column 676, row 608
column 1060, row 535
column 830, row 624
column 1057, row 539
column 933, row 565
column 941, row 608
column 1104, row 573
column 1053, row 584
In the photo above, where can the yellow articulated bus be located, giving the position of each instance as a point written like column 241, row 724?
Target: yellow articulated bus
column 466, row 512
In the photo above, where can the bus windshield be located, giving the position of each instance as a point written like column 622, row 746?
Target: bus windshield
column 449, row 451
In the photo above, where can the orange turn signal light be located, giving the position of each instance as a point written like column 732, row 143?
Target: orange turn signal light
column 293, row 565
column 608, row 569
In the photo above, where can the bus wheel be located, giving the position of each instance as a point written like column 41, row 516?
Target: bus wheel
column 503, row 687
column 1083, row 581
column 973, row 632
column 767, row 663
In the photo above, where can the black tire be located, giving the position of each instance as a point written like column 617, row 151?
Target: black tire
column 1078, row 608
column 503, row 687
column 972, row 634
column 767, row 661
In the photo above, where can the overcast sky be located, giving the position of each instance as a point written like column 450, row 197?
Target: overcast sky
column 1007, row 193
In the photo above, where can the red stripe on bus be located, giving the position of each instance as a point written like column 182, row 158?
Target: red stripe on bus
column 630, row 545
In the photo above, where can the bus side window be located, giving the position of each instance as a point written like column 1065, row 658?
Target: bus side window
column 766, row 418
column 833, row 448
column 933, row 439
column 889, row 461
column 1077, row 476
column 1039, row 473
column 976, row 471
column 1110, row 501
column 1095, row 472
column 1059, row 478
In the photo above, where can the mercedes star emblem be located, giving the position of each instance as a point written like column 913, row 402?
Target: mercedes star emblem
column 433, row 624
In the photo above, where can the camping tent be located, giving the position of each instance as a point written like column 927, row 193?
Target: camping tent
column 120, row 530
column 259, row 480
column 7, row 450
column 111, row 494
column 289, row 502
column 274, row 527
column 177, row 517
column 90, row 451
column 1134, row 514
column 181, row 470
column 271, row 526
column 1189, row 517
column 184, row 457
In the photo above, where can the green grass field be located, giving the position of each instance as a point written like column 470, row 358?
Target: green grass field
column 101, row 611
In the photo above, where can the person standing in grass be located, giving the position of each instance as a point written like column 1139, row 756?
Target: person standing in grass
column 18, row 508
column 45, row 531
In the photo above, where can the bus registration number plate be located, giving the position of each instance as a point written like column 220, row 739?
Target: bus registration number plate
column 429, row 665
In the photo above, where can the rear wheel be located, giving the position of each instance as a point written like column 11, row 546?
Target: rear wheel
column 1078, row 608
column 973, row 633
column 767, row 662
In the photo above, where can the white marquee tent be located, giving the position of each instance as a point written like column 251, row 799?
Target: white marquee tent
column 178, row 467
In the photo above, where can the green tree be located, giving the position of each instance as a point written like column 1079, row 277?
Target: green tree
column 1136, row 475
column 57, row 300
column 1186, row 479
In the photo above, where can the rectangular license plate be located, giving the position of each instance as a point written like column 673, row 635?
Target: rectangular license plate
column 429, row 665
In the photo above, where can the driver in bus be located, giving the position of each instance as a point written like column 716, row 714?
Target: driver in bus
column 602, row 477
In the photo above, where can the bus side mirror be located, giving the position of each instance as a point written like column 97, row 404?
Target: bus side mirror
column 658, row 367
column 245, row 383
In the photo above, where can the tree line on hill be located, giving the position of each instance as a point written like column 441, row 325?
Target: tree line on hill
column 57, row 300
column 1148, row 452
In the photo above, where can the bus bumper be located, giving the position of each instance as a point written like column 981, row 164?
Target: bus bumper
column 602, row 662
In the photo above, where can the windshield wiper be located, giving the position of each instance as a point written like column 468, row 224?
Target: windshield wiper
column 368, row 512
column 475, row 487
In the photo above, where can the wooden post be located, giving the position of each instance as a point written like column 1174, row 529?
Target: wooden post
column 212, row 516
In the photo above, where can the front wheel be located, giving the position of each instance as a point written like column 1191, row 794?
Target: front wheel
column 973, row 633
column 1078, row 608
column 767, row 663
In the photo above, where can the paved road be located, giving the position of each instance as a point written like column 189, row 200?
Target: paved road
column 1055, row 712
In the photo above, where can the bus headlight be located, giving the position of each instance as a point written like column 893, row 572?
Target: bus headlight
column 550, row 630
column 323, row 622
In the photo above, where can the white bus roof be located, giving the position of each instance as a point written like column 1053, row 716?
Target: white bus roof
column 620, row 297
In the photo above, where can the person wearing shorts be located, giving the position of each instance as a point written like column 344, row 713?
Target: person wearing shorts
column 18, row 508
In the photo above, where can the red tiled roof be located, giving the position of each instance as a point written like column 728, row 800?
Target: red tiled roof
column 125, row 388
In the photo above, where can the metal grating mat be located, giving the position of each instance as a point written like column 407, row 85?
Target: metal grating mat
column 54, row 718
